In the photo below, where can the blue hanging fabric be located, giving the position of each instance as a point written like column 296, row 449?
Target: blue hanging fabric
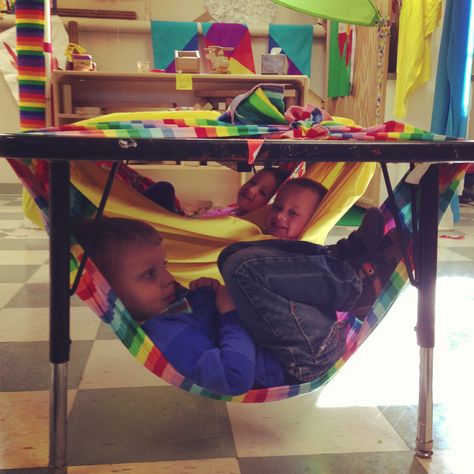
column 168, row 36
column 296, row 41
column 453, row 80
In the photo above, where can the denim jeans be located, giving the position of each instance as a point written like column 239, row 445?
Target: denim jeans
column 287, row 293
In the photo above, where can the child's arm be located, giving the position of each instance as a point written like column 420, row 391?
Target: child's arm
column 216, row 352
column 229, row 367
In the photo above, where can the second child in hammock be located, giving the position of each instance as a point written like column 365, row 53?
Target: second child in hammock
column 276, row 324
column 252, row 195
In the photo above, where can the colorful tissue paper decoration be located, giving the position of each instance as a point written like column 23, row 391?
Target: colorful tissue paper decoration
column 341, row 59
column 296, row 41
column 171, row 36
column 231, row 35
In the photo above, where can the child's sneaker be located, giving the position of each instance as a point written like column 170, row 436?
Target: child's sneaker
column 391, row 247
column 374, row 269
column 367, row 237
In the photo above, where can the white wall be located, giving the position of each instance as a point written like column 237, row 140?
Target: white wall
column 9, row 123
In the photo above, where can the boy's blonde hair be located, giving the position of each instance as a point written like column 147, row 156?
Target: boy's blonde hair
column 105, row 237
column 317, row 189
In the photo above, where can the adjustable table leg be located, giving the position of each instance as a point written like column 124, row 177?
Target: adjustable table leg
column 428, row 248
column 59, row 312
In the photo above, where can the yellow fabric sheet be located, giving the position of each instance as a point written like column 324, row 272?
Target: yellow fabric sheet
column 193, row 244
column 418, row 20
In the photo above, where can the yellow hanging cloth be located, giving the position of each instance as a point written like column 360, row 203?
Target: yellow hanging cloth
column 193, row 245
column 418, row 20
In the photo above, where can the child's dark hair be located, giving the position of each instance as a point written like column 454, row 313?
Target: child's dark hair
column 307, row 183
column 109, row 233
column 280, row 175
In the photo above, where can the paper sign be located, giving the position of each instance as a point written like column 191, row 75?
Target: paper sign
column 184, row 82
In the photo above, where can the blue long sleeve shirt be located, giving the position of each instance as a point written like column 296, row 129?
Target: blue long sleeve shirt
column 214, row 351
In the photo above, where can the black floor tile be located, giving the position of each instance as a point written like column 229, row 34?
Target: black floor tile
column 31, row 470
column 146, row 424
column 35, row 295
column 29, row 367
column 350, row 463
column 24, row 244
column 17, row 273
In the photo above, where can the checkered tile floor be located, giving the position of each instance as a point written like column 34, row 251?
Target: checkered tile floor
column 123, row 419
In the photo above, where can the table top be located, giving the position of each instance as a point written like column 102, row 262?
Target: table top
column 21, row 145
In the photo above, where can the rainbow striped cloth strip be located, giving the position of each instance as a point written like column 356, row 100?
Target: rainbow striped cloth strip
column 174, row 128
column 30, row 26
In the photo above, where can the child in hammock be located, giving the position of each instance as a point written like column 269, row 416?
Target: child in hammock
column 294, row 205
column 200, row 332
column 252, row 195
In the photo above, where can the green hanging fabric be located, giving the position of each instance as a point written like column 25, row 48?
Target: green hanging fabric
column 354, row 12
column 340, row 59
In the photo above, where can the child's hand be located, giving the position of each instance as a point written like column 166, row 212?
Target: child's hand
column 204, row 282
column 224, row 302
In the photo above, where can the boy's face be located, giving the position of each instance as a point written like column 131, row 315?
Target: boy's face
column 256, row 192
column 291, row 212
column 141, row 280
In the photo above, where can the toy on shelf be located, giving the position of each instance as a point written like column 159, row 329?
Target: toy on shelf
column 78, row 59
column 143, row 66
column 83, row 62
column 219, row 62
column 187, row 61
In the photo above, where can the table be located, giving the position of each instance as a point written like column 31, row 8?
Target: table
column 60, row 150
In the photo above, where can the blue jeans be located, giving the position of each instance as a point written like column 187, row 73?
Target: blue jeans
column 287, row 294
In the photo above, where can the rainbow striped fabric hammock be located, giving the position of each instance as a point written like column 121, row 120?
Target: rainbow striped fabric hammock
column 96, row 292
column 188, row 259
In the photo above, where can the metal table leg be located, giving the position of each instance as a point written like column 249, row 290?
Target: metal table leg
column 427, row 251
column 59, row 312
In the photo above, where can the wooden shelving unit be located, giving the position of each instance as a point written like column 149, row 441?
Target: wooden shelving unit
column 117, row 92
column 111, row 92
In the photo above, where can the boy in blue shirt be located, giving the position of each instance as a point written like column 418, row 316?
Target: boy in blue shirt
column 200, row 331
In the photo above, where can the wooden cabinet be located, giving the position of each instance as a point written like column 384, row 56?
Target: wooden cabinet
column 79, row 95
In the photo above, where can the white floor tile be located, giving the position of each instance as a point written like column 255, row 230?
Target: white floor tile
column 7, row 224
column 298, row 427
column 23, row 257
column 41, row 275
column 32, row 324
column 111, row 365
column 449, row 462
column 24, row 233
column 446, row 255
